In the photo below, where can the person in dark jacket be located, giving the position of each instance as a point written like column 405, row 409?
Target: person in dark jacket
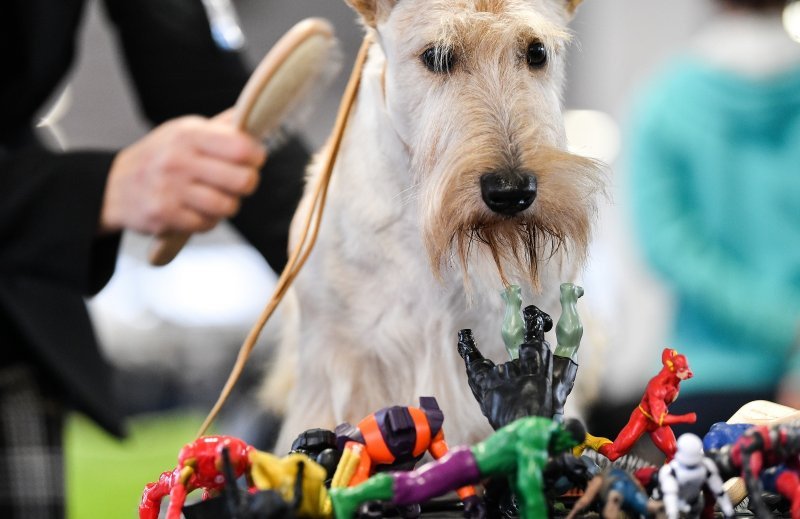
column 61, row 213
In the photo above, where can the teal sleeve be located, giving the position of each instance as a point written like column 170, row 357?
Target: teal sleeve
column 671, row 234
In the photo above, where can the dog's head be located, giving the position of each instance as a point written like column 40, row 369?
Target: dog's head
column 375, row 11
column 473, row 88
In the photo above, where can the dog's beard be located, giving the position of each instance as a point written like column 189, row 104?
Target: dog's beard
column 519, row 243
column 459, row 228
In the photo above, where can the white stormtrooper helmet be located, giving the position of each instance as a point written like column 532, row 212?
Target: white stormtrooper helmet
column 690, row 450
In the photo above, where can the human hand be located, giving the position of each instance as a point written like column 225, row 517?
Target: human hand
column 184, row 176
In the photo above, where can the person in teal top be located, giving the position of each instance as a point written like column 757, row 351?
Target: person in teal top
column 715, row 197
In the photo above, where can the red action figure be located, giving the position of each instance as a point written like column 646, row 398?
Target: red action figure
column 774, row 447
column 395, row 438
column 199, row 466
column 652, row 415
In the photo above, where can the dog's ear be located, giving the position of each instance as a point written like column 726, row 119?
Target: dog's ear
column 372, row 11
column 572, row 5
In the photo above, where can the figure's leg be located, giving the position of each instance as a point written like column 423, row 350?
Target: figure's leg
column 346, row 501
column 529, row 483
column 664, row 439
column 633, row 430
column 454, row 470
column 177, row 497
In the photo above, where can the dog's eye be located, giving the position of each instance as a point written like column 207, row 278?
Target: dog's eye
column 438, row 59
column 537, row 55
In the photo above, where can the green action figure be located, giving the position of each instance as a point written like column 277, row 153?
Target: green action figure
column 518, row 451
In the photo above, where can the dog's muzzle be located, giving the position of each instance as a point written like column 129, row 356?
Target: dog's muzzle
column 508, row 193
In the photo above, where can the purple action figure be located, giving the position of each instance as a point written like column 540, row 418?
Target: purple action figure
column 518, row 451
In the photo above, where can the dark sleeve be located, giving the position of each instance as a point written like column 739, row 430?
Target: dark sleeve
column 172, row 60
column 49, row 216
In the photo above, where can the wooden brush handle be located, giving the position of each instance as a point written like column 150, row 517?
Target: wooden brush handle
column 166, row 247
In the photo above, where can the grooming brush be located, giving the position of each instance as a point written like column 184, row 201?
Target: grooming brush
column 279, row 87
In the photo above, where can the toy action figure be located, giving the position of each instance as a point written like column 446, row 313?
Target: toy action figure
column 396, row 438
column 320, row 446
column 618, row 491
column 199, row 466
column 296, row 478
column 652, row 415
column 763, row 446
column 513, row 330
column 518, row 451
column 682, row 481
column 569, row 332
column 722, row 433
column 235, row 504
column 535, row 384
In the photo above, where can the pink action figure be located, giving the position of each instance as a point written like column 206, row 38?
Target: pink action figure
column 651, row 415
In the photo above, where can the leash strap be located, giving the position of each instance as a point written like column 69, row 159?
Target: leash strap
column 308, row 237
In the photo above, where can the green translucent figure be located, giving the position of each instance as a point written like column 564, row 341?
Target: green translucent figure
column 569, row 329
column 513, row 329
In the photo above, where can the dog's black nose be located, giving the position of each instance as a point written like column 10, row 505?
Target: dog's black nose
column 508, row 193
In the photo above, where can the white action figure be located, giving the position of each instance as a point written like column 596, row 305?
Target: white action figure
column 681, row 481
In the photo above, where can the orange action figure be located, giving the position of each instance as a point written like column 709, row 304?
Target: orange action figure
column 652, row 415
column 395, row 438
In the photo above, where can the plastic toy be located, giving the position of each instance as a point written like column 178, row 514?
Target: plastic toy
column 265, row 504
column 320, row 446
column 569, row 332
column 201, row 464
column 235, row 504
column 297, row 478
column 569, row 329
column 682, row 481
column 722, row 434
column 535, row 384
column 518, row 451
column 562, row 473
column 760, row 447
column 513, row 329
column 618, row 491
column 784, row 480
column 396, row 438
column 565, row 472
column 652, row 415
column 756, row 412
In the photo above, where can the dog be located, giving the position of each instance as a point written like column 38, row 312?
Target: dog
column 452, row 180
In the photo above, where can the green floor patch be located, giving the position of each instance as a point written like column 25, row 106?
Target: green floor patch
column 105, row 476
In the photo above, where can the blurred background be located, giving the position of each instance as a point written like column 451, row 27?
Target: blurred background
column 175, row 331
column 216, row 287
